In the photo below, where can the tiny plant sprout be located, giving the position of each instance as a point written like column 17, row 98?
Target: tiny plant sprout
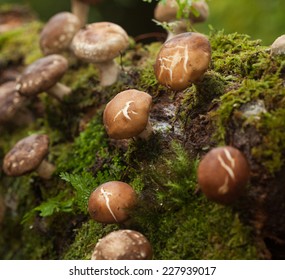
column 58, row 33
column 223, row 174
column 127, row 115
column 111, row 202
column 29, row 155
column 100, row 43
column 44, row 75
column 278, row 46
column 183, row 60
column 123, row 245
column 167, row 12
column 80, row 8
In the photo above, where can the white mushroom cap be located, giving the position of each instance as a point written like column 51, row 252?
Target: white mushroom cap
column 42, row 75
column 99, row 42
column 127, row 114
column 58, row 33
column 123, row 245
column 183, row 60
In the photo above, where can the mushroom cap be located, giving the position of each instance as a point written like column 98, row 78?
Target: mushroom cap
column 111, row 201
column 183, row 60
column 223, row 174
column 10, row 101
column 26, row 155
column 123, row 245
column 127, row 114
column 42, row 75
column 99, row 42
column 58, row 33
column 278, row 46
column 167, row 11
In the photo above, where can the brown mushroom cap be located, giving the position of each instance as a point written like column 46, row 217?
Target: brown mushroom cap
column 183, row 60
column 26, row 155
column 223, row 174
column 42, row 75
column 10, row 101
column 127, row 114
column 123, row 245
column 110, row 202
column 168, row 11
column 58, row 33
column 99, row 42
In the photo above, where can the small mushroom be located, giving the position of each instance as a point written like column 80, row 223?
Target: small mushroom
column 43, row 75
column 223, row 174
column 167, row 12
column 111, row 202
column 28, row 155
column 58, row 33
column 80, row 8
column 127, row 115
column 278, row 46
column 123, row 245
column 100, row 43
column 11, row 102
column 183, row 60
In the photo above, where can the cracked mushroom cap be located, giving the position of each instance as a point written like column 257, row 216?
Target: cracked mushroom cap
column 10, row 101
column 26, row 155
column 183, row 60
column 111, row 201
column 127, row 114
column 42, row 75
column 58, row 33
column 123, row 245
column 99, row 42
column 223, row 174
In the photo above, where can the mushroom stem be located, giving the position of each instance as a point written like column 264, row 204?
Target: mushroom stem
column 59, row 91
column 147, row 132
column 45, row 169
column 109, row 72
column 177, row 27
column 80, row 10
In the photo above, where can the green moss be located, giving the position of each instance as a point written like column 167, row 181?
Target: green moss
column 86, row 238
column 20, row 45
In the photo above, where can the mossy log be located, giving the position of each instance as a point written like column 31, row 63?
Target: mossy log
column 239, row 102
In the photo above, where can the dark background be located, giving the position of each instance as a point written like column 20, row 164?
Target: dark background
column 262, row 19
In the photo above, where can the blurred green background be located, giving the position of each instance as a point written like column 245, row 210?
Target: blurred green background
column 262, row 19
